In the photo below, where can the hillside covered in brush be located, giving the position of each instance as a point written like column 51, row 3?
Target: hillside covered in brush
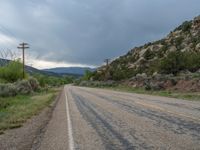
column 178, row 52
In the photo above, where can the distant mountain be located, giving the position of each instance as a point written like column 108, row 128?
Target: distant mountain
column 33, row 70
column 70, row 70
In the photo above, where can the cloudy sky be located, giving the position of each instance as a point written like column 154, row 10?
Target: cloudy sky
column 85, row 32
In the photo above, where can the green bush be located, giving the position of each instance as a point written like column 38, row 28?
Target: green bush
column 173, row 63
column 23, row 87
column 121, row 73
column 34, row 83
column 12, row 71
column 99, row 76
column 186, row 26
column 3, row 80
column 20, row 87
column 7, row 90
column 178, row 41
column 178, row 61
column 88, row 74
column 149, row 54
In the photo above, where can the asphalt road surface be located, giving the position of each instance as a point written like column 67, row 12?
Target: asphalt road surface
column 97, row 119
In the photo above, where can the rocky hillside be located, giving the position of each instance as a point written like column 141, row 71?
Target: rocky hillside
column 178, row 52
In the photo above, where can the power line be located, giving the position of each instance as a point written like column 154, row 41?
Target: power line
column 7, row 44
column 4, row 39
column 8, row 31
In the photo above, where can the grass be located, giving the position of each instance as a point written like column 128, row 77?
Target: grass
column 14, row 111
column 194, row 96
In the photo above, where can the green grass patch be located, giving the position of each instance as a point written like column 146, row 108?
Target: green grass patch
column 14, row 111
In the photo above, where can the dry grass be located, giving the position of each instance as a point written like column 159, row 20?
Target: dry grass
column 14, row 111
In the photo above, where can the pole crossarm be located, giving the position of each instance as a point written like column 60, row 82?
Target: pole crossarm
column 23, row 46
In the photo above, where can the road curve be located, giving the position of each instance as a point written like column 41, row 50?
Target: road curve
column 97, row 119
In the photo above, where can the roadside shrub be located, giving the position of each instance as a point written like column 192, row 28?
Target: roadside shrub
column 23, row 87
column 19, row 87
column 34, row 83
column 147, row 86
column 153, row 86
column 3, row 80
column 88, row 75
column 7, row 90
column 77, row 82
column 99, row 76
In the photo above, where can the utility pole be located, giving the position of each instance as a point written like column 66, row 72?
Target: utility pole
column 107, row 67
column 23, row 46
column 107, row 62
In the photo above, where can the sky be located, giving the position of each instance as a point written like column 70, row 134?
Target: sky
column 63, row 33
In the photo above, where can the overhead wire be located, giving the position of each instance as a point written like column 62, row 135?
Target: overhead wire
column 6, row 44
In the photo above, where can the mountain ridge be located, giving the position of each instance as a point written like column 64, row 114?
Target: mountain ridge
column 33, row 70
column 71, row 70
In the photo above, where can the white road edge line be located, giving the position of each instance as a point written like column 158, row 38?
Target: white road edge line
column 69, row 124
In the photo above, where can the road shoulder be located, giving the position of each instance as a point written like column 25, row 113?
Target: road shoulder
column 55, row 136
column 26, row 136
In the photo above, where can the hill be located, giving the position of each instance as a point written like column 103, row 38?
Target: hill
column 70, row 70
column 176, row 53
column 29, row 69
column 172, row 63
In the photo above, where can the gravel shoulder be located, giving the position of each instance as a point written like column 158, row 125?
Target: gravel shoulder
column 56, row 134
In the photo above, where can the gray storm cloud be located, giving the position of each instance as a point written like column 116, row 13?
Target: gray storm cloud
column 87, row 31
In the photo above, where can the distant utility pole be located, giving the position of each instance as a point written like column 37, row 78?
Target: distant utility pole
column 23, row 46
column 107, row 62
column 107, row 74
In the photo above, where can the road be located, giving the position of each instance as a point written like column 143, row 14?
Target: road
column 98, row 119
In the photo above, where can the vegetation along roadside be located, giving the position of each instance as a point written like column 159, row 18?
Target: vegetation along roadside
column 14, row 111
column 21, row 98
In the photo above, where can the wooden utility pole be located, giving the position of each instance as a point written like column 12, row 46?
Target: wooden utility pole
column 107, row 74
column 23, row 46
column 107, row 62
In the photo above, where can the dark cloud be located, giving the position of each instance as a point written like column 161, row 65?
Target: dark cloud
column 86, row 32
